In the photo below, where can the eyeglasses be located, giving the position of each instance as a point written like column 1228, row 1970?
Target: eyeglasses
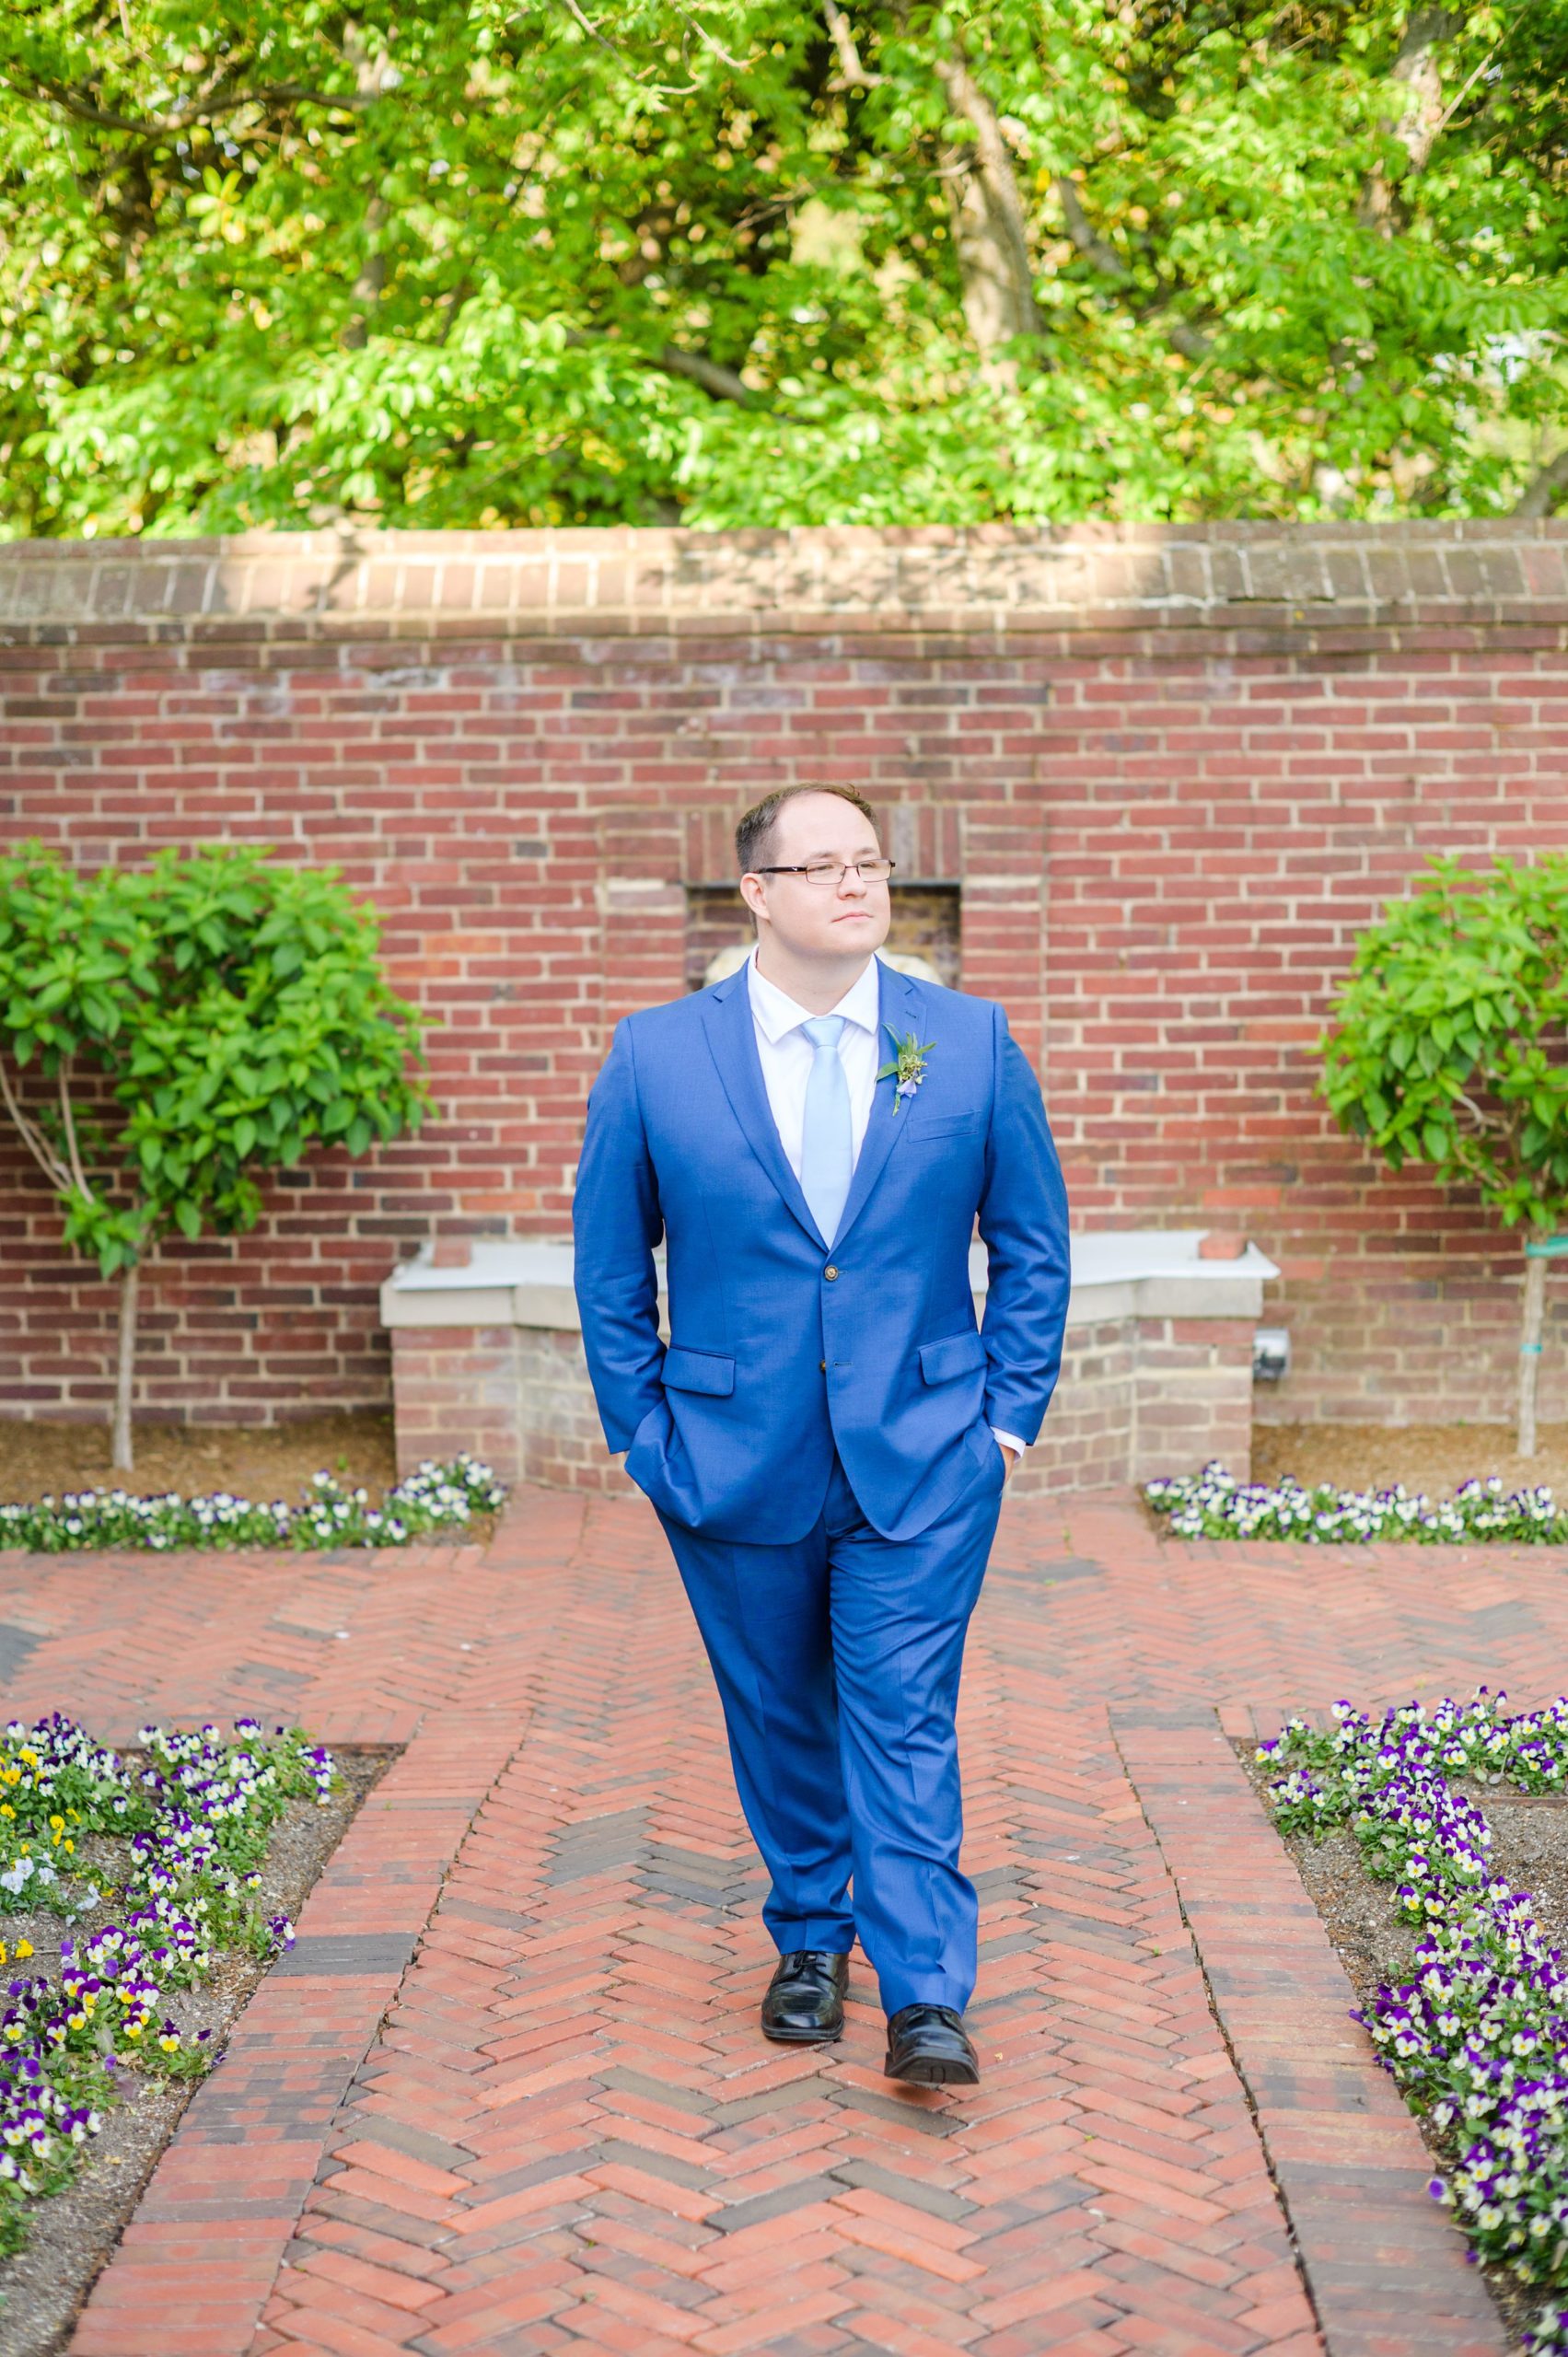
column 830, row 873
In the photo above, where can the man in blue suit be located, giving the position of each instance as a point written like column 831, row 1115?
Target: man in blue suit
column 826, row 1436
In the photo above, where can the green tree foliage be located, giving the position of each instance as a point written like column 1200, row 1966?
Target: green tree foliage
column 529, row 262
column 1447, row 1047
column 194, row 1023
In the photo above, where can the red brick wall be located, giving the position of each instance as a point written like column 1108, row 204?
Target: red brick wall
column 1175, row 770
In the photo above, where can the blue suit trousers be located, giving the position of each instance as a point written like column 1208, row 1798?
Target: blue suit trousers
column 836, row 1659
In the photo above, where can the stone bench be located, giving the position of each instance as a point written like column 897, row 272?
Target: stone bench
column 1156, row 1374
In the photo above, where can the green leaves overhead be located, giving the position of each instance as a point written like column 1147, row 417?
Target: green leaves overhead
column 203, row 1020
column 532, row 262
column 1450, row 1039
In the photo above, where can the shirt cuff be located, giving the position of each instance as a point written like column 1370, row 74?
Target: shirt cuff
column 1009, row 1440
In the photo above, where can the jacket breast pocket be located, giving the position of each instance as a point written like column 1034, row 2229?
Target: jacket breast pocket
column 948, row 1126
column 954, row 1354
column 699, row 1371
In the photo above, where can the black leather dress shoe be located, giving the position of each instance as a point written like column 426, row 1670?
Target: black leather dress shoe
column 805, row 2003
column 928, row 2046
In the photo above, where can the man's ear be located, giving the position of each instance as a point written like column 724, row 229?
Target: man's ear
column 754, row 894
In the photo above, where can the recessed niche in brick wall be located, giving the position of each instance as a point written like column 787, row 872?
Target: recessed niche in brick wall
column 925, row 924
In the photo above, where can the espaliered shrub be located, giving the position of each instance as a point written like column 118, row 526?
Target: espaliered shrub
column 1478, row 2039
column 1444, row 1049
column 189, row 1822
column 1215, row 1505
column 436, row 1497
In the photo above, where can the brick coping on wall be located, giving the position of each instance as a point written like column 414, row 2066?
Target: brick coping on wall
column 663, row 582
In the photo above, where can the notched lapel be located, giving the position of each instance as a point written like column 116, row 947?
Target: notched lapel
column 897, row 1009
column 726, row 1017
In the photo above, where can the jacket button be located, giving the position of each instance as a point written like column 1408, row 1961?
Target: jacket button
column 829, row 1272
column 823, row 1364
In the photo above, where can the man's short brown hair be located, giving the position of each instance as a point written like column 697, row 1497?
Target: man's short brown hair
column 754, row 836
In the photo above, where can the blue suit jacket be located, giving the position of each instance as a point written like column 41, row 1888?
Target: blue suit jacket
column 783, row 1346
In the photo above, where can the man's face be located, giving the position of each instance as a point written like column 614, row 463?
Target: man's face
column 813, row 920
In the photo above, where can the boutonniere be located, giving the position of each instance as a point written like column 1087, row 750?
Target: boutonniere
column 909, row 1063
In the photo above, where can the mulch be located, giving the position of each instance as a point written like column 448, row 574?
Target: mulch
column 1432, row 1457
column 358, row 1447
column 258, row 1461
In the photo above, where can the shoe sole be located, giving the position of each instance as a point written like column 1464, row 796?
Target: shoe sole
column 934, row 2071
column 803, row 2037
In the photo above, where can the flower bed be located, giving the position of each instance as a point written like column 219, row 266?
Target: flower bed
column 436, row 1497
column 154, row 1862
column 1213, row 1505
column 1478, row 2039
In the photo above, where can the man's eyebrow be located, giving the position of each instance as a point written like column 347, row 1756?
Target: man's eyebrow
column 866, row 851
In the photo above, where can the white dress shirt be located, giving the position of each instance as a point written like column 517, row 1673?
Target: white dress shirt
column 787, row 1056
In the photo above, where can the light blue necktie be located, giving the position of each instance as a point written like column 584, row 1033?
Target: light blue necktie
column 827, row 1138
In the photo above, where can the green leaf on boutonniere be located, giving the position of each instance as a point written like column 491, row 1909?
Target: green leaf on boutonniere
column 909, row 1064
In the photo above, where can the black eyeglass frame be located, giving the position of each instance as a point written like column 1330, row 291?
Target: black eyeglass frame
column 819, row 868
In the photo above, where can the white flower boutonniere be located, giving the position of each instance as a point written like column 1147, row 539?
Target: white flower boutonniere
column 909, row 1063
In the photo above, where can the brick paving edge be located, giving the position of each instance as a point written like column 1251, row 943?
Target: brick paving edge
column 222, row 2203
column 1384, row 2269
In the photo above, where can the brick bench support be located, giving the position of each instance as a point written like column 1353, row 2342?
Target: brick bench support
column 1157, row 1376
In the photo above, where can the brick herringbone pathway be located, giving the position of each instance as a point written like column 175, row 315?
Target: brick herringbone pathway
column 508, row 2095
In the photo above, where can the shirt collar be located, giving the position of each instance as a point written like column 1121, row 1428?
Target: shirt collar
column 777, row 1012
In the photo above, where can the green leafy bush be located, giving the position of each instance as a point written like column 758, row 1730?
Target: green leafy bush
column 1446, row 1047
column 495, row 262
column 197, row 1022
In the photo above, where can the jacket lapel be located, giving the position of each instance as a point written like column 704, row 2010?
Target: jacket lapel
column 898, row 1011
column 727, row 1015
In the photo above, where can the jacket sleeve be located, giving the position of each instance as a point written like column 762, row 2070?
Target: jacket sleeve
column 1023, row 1222
column 616, row 1222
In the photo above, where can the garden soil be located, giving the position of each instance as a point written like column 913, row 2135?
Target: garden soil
column 257, row 1461
column 43, row 2287
column 1433, row 1457
column 264, row 1462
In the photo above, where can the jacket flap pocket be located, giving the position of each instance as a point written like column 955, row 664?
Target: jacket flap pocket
column 954, row 1354
column 699, row 1371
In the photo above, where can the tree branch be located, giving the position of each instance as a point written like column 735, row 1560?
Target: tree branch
column 723, row 383
column 1417, row 128
column 77, row 1173
column 1191, row 341
column 741, row 65
column 995, row 230
column 852, row 73
column 268, row 96
column 1093, row 250
column 654, row 89
column 47, row 1161
column 1541, row 493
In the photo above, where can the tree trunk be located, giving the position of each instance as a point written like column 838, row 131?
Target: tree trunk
column 1417, row 131
column 990, row 229
column 1530, row 1351
column 121, row 1452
